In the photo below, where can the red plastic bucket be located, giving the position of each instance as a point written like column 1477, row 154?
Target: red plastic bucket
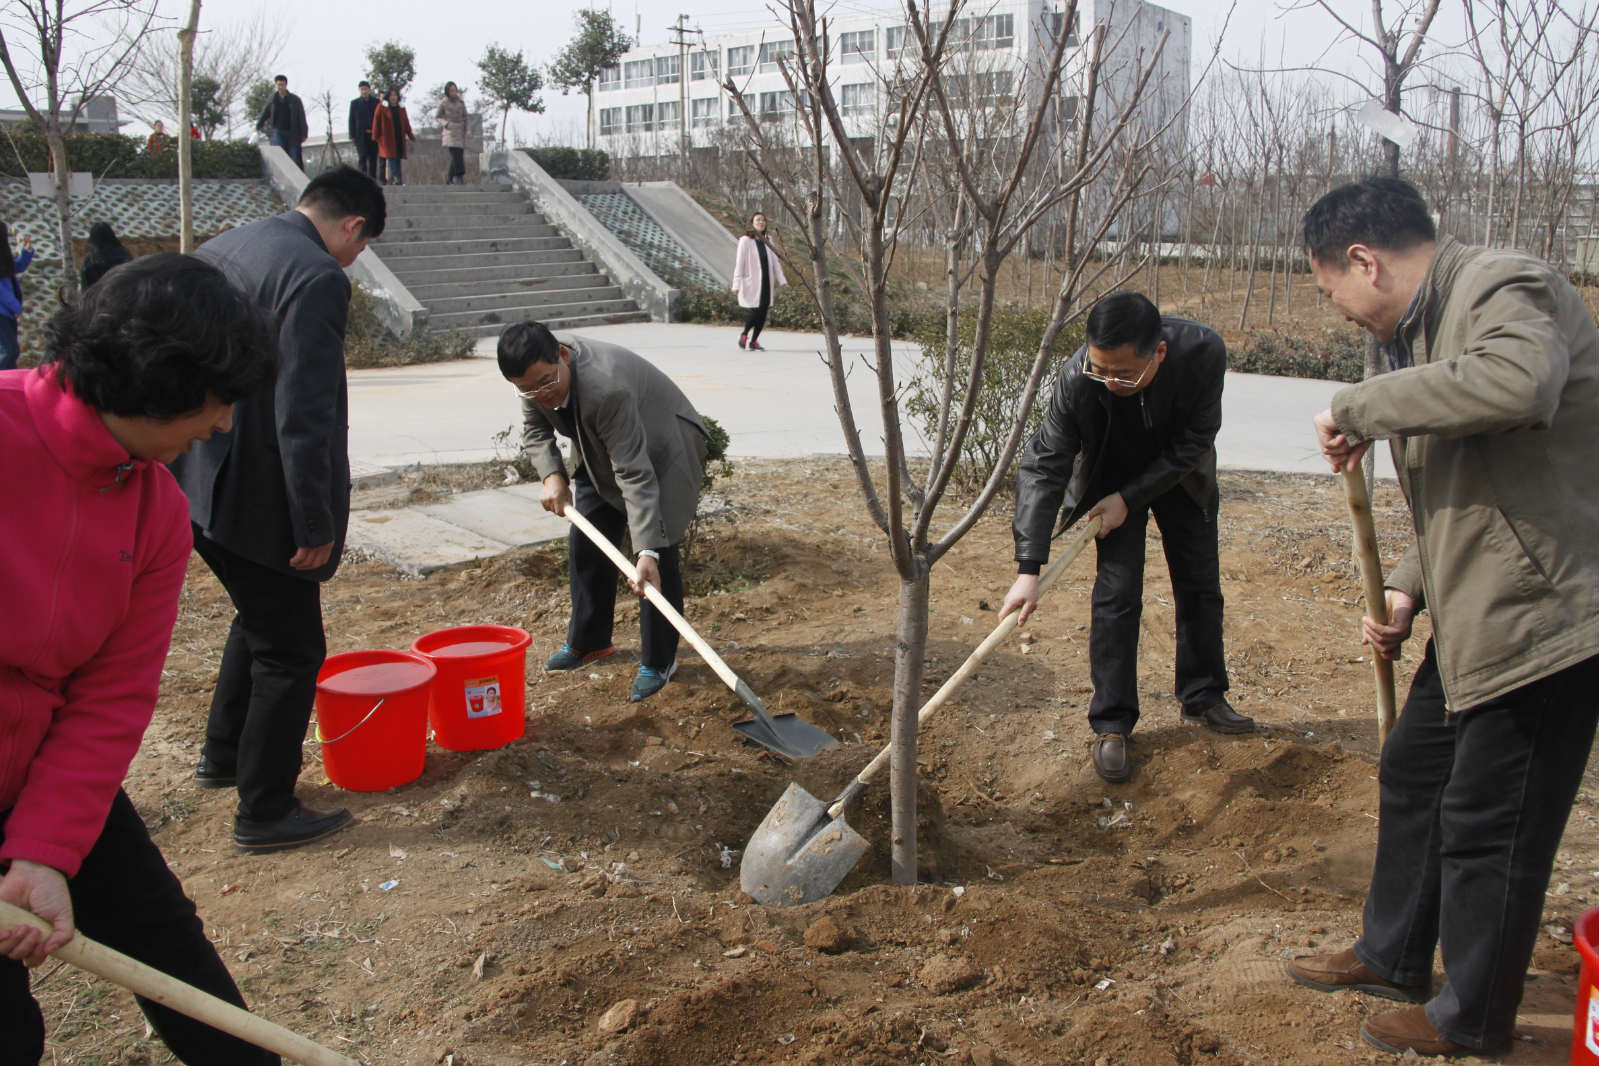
column 479, row 698
column 371, row 717
column 1585, row 1027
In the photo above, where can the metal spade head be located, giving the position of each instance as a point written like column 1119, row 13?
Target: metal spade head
column 787, row 734
column 798, row 854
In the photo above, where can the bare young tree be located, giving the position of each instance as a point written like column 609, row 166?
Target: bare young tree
column 185, row 118
column 61, row 71
column 235, row 56
column 1003, row 179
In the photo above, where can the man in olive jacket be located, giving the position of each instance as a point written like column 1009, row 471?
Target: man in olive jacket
column 1490, row 407
column 1131, row 424
column 639, row 451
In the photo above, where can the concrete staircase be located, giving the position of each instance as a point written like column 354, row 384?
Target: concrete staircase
column 479, row 257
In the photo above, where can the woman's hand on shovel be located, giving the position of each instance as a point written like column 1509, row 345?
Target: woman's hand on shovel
column 42, row 890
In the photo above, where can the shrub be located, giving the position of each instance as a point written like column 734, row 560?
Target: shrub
column 1330, row 354
column 909, row 310
column 368, row 343
column 112, row 155
column 1014, row 337
column 572, row 164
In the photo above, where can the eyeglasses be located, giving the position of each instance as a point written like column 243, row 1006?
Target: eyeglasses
column 1106, row 379
column 546, row 389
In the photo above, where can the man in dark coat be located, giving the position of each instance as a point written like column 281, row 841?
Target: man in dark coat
column 283, row 118
column 1132, row 423
column 366, row 149
column 639, row 452
column 271, row 500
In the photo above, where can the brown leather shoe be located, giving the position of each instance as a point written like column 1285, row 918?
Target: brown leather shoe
column 1110, row 757
column 1334, row 973
column 1411, row 1030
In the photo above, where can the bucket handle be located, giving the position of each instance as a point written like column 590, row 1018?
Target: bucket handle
column 353, row 728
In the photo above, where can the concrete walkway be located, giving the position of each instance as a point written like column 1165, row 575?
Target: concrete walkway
column 773, row 404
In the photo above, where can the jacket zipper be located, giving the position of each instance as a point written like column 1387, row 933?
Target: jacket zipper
column 1143, row 410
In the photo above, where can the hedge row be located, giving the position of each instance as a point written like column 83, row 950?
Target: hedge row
column 113, row 155
column 572, row 164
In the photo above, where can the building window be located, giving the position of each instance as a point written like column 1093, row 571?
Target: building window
column 772, row 51
column 776, row 106
column 1052, row 25
column 704, row 65
column 1068, row 111
column 668, row 70
column 669, row 115
column 740, row 60
column 895, row 41
column 994, row 31
column 640, row 118
column 858, row 47
column 610, row 120
column 639, row 73
column 855, row 98
column 610, row 78
column 704, row 112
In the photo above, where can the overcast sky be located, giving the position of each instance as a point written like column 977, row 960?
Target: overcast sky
column 327, row 39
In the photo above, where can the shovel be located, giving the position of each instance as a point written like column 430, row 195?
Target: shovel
column 803, row 848
column 168, row 991
column 1371, row 585
column 787, row 734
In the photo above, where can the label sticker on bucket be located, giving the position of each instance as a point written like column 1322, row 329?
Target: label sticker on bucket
column 483, row 697
column 1592, row 1038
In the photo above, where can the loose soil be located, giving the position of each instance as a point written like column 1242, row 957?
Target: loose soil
column 574, row 896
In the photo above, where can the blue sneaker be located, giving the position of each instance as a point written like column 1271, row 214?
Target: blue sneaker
column 567, row 659
column 650, row 681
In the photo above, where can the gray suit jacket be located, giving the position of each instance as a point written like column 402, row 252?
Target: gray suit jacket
column 636, row 438
column 281, row 479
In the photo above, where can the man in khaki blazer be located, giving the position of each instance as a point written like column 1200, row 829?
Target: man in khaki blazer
column 638, row 464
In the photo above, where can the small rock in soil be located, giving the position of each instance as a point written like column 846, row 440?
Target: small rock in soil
column 949, row 973
column 828, row 937
column 620, row 1017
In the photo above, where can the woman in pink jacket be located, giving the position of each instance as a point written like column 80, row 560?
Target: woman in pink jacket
column 94, row 545
column 756, row 275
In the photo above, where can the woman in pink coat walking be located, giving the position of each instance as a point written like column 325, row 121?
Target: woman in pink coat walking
column 756, row 274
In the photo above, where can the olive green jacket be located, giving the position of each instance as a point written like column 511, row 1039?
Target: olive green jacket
column 1495, row 436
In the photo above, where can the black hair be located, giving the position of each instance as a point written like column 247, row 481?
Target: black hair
column 101, row 235
column 1384, row 213
column 158, row 337
column 345, row 191
column 750, row 230
column 284, row 78
column 1124, row 318
column 524, row 343
column 392, row 91
column 8, row 268
column 451, row 85
column 362, row 82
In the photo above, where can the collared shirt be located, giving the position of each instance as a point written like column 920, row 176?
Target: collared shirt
column 1396, row 353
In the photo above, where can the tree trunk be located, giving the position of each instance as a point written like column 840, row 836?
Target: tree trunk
column 589, row 127
column 185, row 117
column 1254, row 243
column 910, row 653
column 62, row 170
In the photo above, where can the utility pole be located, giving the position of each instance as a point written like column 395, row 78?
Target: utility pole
column 681, row 32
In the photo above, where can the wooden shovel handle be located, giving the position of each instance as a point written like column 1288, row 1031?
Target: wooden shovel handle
column 1072, row 547
column 168, row 991
column 1372, row 587
column 655, row 596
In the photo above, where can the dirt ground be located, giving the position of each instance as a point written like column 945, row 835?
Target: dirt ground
column 574, row 896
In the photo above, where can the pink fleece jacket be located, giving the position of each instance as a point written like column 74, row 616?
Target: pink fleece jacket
column 93, row 550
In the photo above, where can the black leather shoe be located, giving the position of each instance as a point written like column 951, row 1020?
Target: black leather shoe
column 211, row 775
column 300, row 826
column 1219, row 717
column 1110, row 757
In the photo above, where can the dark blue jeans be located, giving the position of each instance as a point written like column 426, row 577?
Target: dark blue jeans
column 1473, row 806
column 1188, row 533
column 396, row 171
column 288, row 144
column 125, row 897
column 10, row 351
column 593, row 578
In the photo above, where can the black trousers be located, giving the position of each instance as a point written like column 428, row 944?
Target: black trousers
column 594, row 577
column 366, row 156
column 1473, row 806
column 457, row 174
column 756, row 320
column 1188, row 532
column 266, row 684
column 125, row 897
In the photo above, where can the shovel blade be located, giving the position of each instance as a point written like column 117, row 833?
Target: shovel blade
column 788, row 735
column 798, row 854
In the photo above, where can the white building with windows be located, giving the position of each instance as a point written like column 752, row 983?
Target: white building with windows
column 1000, row 47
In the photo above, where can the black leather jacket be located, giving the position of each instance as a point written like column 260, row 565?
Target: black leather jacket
column 1061, row 467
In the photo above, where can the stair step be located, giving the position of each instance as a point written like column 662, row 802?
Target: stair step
column 497, row 301
column 462, row 194
column 414, row 249
column 437, row 295
column 426, row 220
column 498, row 318
column 420, row 266
column 515, row 269
column 467, row 231
column 566, row 322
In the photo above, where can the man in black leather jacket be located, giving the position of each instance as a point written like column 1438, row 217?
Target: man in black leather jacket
column 1132, row 424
